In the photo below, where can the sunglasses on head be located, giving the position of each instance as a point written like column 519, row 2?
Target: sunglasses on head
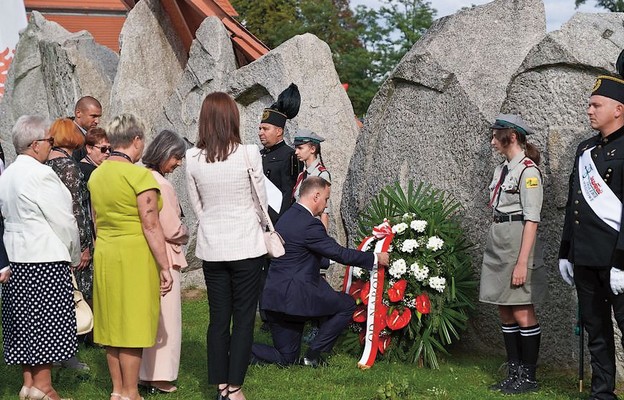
column 103, row 149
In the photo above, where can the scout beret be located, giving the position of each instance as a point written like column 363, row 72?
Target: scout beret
column 504, row 121
column 307, row 136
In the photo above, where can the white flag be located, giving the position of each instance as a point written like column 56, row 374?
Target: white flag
column 12, row 21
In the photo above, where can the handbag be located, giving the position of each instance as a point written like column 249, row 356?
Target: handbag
column 272, row 239
column 84, row 315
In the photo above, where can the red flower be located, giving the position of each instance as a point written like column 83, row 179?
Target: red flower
column 397, row 320
column 383, row 343
column 397, row 291
column 356, row 289
column 365, row 292
column 359, row 315
column 423, row 304
column 381, row 312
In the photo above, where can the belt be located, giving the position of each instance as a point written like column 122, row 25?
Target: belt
column 507, row 218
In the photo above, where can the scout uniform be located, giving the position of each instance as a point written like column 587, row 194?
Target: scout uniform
column 316, row 168
column 516, row 195
column 592, row 239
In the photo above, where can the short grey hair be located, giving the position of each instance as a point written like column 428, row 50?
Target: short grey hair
column 165, row 145
column 122, row 130
column 27, row 129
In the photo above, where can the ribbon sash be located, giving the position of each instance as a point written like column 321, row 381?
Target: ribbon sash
column 371, row 336
column 599, row 196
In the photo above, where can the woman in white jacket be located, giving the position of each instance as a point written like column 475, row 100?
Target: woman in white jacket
column 229, row 238
column 41, row 239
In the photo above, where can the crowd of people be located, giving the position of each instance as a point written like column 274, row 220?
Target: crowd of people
column 75, row 202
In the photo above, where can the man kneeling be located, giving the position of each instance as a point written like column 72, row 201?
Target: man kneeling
column 294, row 290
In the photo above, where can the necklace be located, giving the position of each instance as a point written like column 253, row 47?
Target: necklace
column 61, row 151
column 120, row 154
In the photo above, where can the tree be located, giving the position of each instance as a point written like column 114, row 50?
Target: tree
column 365, row 45
column 611, row 5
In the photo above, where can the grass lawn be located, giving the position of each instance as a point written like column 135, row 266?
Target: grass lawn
column 462, row 376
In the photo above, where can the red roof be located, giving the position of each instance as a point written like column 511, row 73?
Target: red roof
column 104, row 19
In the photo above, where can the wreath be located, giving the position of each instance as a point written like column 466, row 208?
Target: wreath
column 426, row 291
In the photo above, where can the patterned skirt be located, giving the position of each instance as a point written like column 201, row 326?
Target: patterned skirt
column 38, row 316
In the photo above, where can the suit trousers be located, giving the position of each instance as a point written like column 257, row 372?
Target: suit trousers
column 232, row 299
column 286, row 331
column 596, row 300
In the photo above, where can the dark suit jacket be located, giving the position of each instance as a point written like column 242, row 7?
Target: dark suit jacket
column 586, row 239
column 281, row 167
column 294, row 285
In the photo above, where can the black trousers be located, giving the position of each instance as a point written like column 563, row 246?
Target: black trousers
column 286, row 331
column 232, row 298
column 596, row 300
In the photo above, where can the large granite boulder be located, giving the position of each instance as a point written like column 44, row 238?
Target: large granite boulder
column 430, row 120
column 304, row 60
column 150, row 65
column 551, row 91
column 51, row 70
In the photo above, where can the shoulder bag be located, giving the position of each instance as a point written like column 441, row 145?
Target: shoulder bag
column 273, row 241
column 84, row 315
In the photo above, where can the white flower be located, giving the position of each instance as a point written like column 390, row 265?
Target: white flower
column 420, row 272
column 357, row 272
column 367, row 247
column 399, row 228
column 418, row 225
column 438, row 283
column 409, row 245
column 435, row 243
column 390, row 248
column 409, row 303
column 398, row 268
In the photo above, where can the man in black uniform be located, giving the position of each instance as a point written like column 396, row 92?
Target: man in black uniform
column 591, row 255
column 279, row 162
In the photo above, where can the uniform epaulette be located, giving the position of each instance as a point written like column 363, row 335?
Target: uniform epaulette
column 528, row 162
column 322, row 168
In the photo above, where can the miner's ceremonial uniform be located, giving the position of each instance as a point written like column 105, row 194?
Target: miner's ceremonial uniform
column 593, row 242
column 281, row 167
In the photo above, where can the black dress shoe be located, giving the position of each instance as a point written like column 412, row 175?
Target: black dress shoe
column 313, row 362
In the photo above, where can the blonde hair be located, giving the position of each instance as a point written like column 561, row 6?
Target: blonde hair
column 122, row 130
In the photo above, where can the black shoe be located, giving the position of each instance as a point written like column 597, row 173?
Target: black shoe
column 512, row 375
column 524, row 384
column 313, row 362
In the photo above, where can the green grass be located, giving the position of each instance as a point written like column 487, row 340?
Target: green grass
column 461, row 376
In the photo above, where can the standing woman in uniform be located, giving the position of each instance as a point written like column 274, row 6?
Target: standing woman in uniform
column 308, row 150
column 513, row 275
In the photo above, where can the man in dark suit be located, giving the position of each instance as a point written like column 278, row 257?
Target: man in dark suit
column 294, row 290
column 87, row 114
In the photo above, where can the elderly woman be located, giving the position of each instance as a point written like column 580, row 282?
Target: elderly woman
column 41, row 239
column 229, row 238
column 130, row 261
column 161, row 363
column 97, row 149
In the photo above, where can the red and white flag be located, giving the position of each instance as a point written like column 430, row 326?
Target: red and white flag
column 12, row 21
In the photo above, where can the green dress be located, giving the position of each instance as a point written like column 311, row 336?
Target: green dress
column 126, row 282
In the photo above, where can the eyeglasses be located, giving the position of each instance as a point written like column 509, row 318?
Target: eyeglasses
column 50, row 140
column 103, row 149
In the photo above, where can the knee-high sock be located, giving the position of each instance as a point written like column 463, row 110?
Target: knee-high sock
column 513, row 344
column 531, row 336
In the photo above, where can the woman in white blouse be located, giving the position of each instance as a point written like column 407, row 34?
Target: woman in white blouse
column 229, row 238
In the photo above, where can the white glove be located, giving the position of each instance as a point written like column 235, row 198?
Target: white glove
column 566, row 268
column 617, row 281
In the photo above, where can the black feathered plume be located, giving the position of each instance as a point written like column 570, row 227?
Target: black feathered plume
column 288, row 101
column 619, row 64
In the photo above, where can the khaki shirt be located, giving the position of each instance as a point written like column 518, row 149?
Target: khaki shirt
column 522, row 191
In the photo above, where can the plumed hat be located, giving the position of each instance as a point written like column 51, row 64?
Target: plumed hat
column 286, row 107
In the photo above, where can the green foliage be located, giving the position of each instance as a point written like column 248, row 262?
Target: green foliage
column 391, row 391
column 429, row 331
column 611, row 5
column 365, row 46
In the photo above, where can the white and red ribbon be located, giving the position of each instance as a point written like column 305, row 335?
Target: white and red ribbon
column 382, row 233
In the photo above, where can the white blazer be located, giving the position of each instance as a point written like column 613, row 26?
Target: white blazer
column 221, row 196
column 39, row 224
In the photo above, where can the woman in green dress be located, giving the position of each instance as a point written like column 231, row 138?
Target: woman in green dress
column 130, row 265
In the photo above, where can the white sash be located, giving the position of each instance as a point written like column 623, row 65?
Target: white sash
column 597, row 193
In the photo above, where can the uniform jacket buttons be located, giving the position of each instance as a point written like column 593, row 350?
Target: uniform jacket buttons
column 576, row 222
column 576, row 201
column 578, row 191
column 575, row 212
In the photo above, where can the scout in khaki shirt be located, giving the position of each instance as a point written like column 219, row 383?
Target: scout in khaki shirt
column 513, row 276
